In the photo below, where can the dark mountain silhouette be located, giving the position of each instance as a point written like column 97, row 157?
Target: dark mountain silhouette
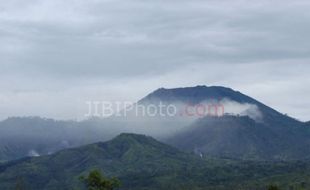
column 198, row 94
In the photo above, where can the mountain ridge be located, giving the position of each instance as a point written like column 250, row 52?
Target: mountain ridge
column 143, row 163
column 20, row 137
column 275, row 137
column 203, row 92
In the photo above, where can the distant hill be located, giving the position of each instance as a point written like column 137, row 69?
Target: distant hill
column 34, row 136
column 142, row 163
column 248, row 129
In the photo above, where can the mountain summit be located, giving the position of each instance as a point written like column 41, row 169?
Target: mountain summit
column 274, row 136
column 197, row 94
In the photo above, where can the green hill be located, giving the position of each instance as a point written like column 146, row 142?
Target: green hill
column 142, row 163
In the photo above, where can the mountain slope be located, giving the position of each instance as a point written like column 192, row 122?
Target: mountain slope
column 274, row 136
column 243, row 138
column 143, row 163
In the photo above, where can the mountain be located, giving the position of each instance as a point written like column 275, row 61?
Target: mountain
column 257, row 132
column 143, row 163
column 247, row 129
column 201, row 94
column 196, row 94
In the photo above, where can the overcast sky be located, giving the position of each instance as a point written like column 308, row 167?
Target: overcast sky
column 56, row 54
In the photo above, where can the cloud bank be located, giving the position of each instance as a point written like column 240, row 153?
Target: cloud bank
column 55, row 55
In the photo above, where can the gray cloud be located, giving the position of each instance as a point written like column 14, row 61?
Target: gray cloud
column 56, row 54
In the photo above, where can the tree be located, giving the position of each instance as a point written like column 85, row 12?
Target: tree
column 96, row 181
column 273, row 187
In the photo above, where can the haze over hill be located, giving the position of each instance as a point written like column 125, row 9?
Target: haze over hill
column 250, row 129
column 118, row 86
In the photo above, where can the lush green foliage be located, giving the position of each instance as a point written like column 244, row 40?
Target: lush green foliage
column 142, row 163
column 96, row 181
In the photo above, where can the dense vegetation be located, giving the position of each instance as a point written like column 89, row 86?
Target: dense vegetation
column 96, row 181
column 142, row 163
